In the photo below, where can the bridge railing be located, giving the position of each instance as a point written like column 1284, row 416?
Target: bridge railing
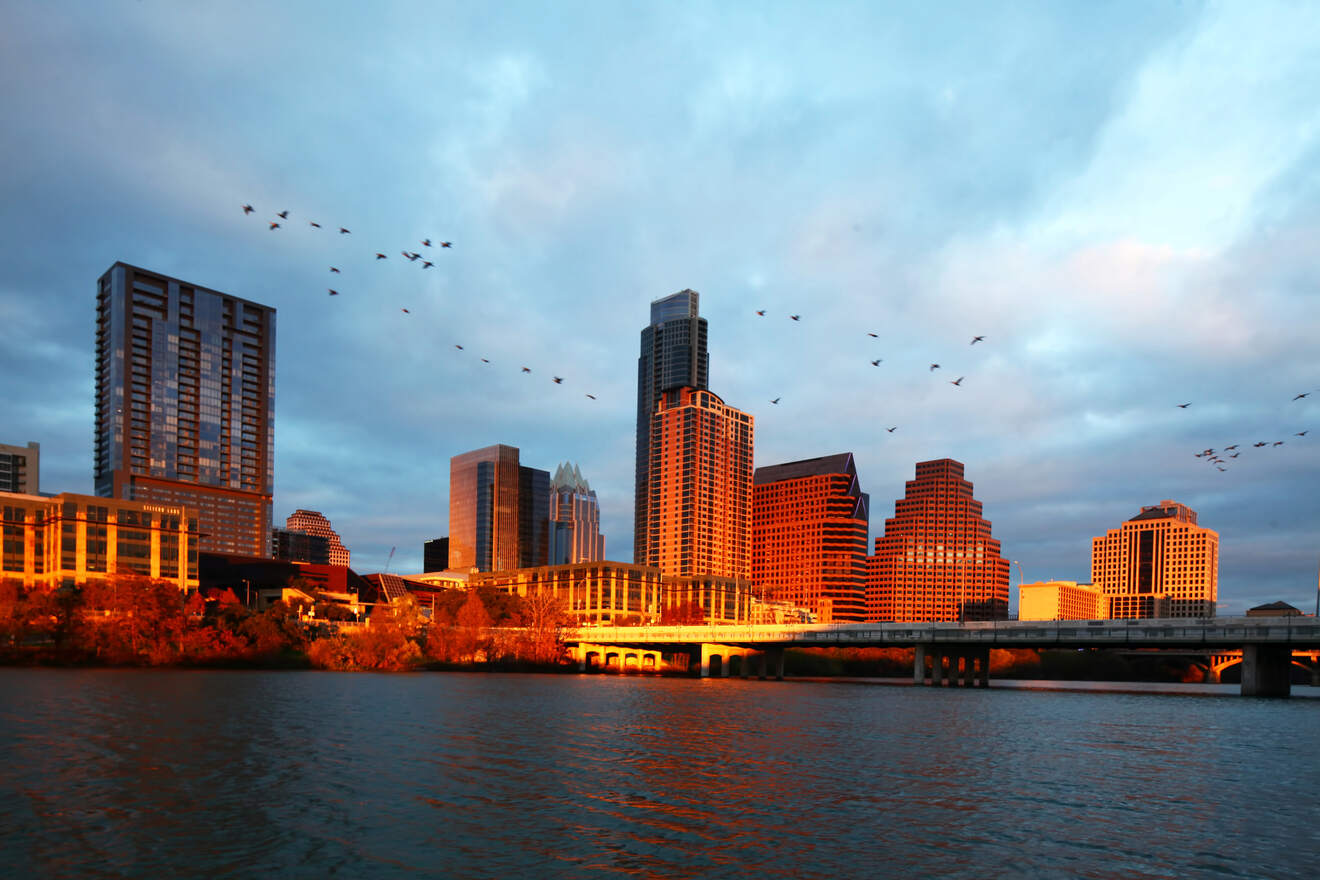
column 1208, row 631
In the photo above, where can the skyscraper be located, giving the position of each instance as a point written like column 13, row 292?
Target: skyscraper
column 700, row 481
column 809, row 525
column 673, row 355
column 498, row 511
column 936, row 559
column 20, row 468
column 1160, row 563
column 185, row 404
column 313, row 522
column 574, row 519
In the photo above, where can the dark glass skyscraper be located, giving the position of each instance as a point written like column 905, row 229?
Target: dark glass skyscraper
column 673, row 356
column 185, row 404
column 498, row 511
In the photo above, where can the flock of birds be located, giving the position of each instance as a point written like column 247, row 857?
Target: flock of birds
column 1220, row 458
column 410, row 256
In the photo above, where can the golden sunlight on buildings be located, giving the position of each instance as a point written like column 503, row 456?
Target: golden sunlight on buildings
column 1059, row 600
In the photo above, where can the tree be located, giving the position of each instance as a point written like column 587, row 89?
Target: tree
column 544, row 617
column 471, row 625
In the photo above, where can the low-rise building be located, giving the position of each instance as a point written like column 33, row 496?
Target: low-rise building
column 70, row 539
column 1060, row 600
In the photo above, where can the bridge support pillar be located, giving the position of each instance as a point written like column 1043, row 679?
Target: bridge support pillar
column 937, row 658
column 1265, row 670
column 919, row 665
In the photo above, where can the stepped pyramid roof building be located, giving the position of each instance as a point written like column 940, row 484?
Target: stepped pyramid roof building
column 314, row 523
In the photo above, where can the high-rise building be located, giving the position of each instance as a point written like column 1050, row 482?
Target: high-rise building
column 435, row 554
column 809, row 525
column 673, row 355
column 185, row 403
column 700, row 486
column 20, row 468
column 313, row 522
column 1160, row 563
column 574, row 519
column 498, row 511
column 936, row 559
column 67, row 540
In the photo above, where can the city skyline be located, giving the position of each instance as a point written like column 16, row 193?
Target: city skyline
column 1129, row 234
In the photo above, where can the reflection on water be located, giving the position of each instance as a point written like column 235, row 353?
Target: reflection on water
column 172, row 773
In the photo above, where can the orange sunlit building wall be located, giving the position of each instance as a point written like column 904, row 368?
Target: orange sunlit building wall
column 936, row 560
column 700, row 486
column 809, row 523
column 1160, row 563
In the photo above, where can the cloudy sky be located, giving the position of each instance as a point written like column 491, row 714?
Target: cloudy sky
column 1122, row 198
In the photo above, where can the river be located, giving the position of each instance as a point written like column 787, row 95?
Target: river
column 172, row 773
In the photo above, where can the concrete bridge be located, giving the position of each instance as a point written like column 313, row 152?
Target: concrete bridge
column 959, row 653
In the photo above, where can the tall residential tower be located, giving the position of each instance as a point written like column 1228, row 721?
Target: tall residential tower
column 673, row 355
column 185, row 404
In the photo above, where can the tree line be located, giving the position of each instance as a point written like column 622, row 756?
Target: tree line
column 134, row 620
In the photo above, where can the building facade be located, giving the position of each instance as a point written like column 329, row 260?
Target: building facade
column 937, row 560
column 1060, row 600
column 435, row 554
column 574, row 519
column 617, row 593
column 673, row 355
column 700, row 477
column 185, row 404
column 498, row 511
column 20, row 469
column 313, row 522
column 292, row 545
column 1160, row 563
column 66, row 540
column 809, row 527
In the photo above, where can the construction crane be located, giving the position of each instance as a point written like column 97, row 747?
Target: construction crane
column 389, row 560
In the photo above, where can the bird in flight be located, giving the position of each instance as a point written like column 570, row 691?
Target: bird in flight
column 592, row 396
column 876, row 362
column 426, row 264
column 526, row 369
column 333, row 292
column 873, row 335
column 934, row 367
column 446, row 244
column 457, row 346
column 1278, row 442
column 274, row 225
column 283, row 215
column 976, row 339
column 313, row 223
column 247, row 209
column 1227, row 448
column 795, row 317
column 426, row 242
column 1184, row 405
column 405, row 311
column 761, row 312
column 1221, row 468
column 380, row 256
column 957, row 381
column 485, row 360
column 559, row 380
column 336, row 271
column 1260, row 444
column 343, row 231
column 776, row 400
column 1300, row 396
column 1303, row 433
column 892, row 430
